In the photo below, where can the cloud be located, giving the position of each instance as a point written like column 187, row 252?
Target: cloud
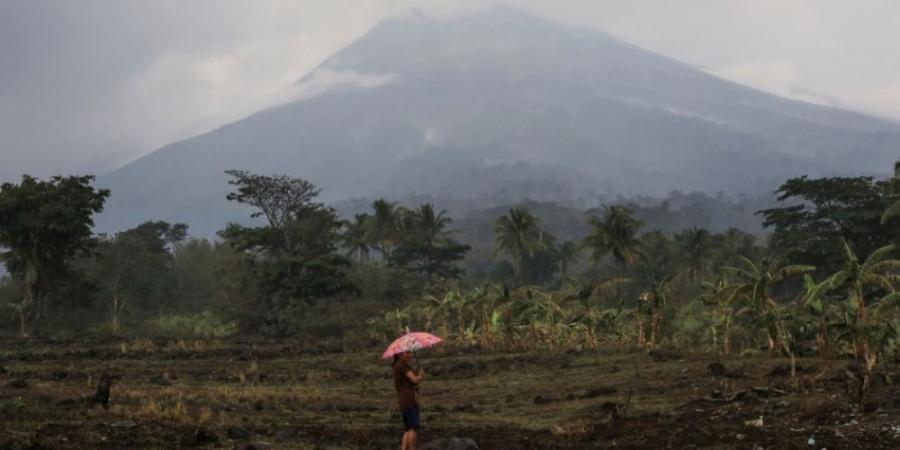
column 323, row 80
column 87, row 85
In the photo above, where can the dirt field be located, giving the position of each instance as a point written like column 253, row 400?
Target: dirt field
column 277, row 395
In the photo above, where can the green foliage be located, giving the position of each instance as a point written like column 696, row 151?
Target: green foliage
column 135, row 270
column 205, row 324
column 44, row 225
column 293, row 257
column 616, row 234
column 425, row 245
column 12, row 406
column 519, row 235
column 827, row 210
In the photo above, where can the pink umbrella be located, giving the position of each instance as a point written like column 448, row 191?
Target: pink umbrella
column 410, row 342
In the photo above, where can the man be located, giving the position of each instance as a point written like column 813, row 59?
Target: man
column 406, row 381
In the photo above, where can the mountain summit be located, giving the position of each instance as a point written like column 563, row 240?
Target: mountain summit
column 500, row 106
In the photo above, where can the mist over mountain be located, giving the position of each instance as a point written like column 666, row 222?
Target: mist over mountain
column 499, row 107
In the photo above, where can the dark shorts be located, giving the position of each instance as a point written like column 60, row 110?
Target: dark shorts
column 410, row 418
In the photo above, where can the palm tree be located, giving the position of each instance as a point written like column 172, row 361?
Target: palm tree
column 565, row 253
column 384, row 226
column 357, row 236
column 616, row 234
column 696, row 245
column 518, row 234
column 432, row 226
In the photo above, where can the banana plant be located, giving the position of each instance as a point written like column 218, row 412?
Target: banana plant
column 754, row 283
column 656, row 298
column 721, row 297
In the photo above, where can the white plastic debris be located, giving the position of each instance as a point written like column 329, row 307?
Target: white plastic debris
column 756, row 423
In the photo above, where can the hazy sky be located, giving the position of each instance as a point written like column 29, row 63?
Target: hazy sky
column 87, row 85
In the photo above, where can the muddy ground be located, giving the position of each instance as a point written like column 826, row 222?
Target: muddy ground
column 169, row 394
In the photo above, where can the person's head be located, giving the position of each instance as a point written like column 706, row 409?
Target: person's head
column 403, row 356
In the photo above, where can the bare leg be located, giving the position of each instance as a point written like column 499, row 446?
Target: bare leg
column 404, row 443
column 412, row 439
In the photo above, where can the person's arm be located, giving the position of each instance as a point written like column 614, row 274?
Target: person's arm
column 415, row 378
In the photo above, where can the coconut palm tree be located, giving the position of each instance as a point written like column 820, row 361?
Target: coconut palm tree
column 432, row 227
column 518, row 234
column 358, row 236
column 384, row 226
column 615, row 234
column 696, row 243
column 565, row 253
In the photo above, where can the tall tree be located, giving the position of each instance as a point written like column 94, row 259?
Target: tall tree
column 357, row 236
column 566, row 252
column 136, row 269
column 615, row 234
column 696, row 245
column 384, row 226
column 294, row 256
column 426, row 244
column 826, row 211
column 518, row 234
column 43, row 226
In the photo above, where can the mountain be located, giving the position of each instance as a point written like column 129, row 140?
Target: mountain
column 498, row 107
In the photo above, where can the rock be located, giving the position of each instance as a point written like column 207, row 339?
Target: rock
column 716, row 369
column 123, row 424
column 18, row 384
column 451, row 444
column 238, row 433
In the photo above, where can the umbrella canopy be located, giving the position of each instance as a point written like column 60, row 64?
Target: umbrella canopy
column 411, row 342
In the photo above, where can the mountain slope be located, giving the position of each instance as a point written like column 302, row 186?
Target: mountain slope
column 502, row 105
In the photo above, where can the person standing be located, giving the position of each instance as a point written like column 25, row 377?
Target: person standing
column 406, row 381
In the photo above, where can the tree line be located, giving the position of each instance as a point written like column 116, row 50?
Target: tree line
column 822, row 282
